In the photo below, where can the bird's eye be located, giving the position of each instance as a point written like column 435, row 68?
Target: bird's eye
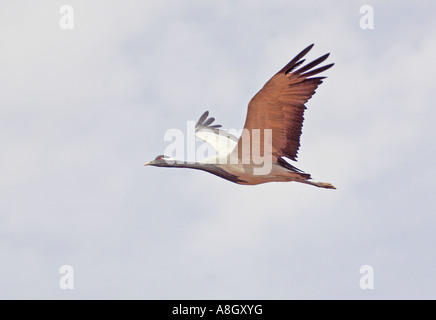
column 160, row 158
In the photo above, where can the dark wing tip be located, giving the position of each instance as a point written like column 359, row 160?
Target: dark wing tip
column 309, row 47
column 205, row 122
column 317, row 70
column 295, row 62
column 306, row 70
column 311, row 65
column 202, row 119
column 209, row 121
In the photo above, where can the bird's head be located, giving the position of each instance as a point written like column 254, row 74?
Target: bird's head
column 160, row 161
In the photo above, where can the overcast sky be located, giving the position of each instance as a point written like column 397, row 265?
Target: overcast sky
column 82, row 110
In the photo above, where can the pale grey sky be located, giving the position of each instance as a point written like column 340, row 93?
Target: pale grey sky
column 82, row 110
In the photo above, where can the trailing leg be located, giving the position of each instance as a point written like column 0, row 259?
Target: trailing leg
column 325, row 185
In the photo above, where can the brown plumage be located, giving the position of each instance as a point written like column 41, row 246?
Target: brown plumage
column 277, row 110
column 279, row 105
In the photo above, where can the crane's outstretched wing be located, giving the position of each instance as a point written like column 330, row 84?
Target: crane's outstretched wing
column 222, row 141
column 279, row 105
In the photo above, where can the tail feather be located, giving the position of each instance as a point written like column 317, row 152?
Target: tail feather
column 289, row 166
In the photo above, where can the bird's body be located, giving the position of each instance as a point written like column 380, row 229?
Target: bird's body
column 271, row 132
column 244, row 173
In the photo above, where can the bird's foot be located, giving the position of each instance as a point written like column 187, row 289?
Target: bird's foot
column 325, row 185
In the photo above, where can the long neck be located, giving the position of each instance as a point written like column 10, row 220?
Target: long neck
column 211, row 168
column 185, row 164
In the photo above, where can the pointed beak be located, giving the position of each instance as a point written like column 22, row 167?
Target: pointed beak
column 147, row 164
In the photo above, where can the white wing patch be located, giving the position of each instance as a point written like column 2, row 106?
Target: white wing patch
column 222, row 141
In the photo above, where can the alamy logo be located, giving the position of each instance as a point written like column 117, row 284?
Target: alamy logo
column 67, row 279
column 367, row 20
column 367, row 280
column 66, row 22
column 255, row 147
